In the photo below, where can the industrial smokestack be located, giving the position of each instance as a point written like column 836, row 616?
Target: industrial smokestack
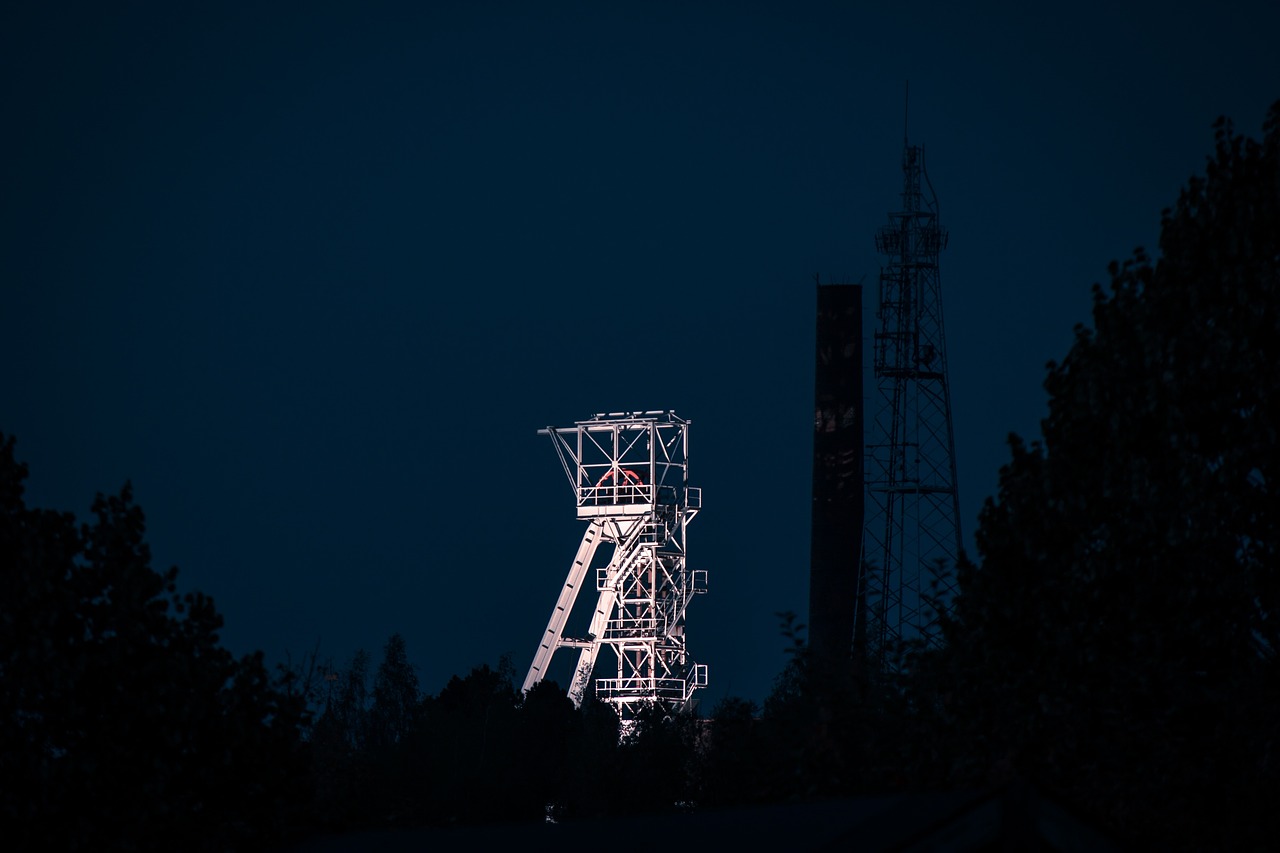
column 836, row 538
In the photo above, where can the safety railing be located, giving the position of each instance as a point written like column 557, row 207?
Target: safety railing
column 609, row 494
column 663, row 689
column 666, row 689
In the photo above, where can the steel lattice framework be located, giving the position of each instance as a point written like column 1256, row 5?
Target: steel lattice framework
column 913, row 511
column 629, row 473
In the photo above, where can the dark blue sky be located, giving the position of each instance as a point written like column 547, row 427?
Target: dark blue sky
column 312, row 276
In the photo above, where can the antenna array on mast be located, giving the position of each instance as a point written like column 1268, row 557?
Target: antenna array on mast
column 913, row 514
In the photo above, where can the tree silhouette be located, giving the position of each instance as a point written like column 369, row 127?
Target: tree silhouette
column 395, row 696
column 1118, row 639
column 548, row 726
column 123, row 722
column 470, row 741
column 340, row 767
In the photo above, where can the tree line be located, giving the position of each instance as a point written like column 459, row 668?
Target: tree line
column 1115, row 640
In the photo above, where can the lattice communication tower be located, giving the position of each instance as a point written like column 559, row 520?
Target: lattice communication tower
column 913, row 506
column 629, row 473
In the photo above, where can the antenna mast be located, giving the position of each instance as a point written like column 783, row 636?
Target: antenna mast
column 913, row 509
column 906, row 105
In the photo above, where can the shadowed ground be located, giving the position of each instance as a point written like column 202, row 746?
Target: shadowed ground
column 1012, row 817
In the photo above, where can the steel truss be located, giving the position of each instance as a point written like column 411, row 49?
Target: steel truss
column 629, row 473
column 913, row 505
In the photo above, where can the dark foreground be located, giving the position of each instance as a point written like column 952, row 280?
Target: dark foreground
column 1014, row 817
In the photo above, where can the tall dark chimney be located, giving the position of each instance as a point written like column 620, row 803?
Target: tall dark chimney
column 836, row 538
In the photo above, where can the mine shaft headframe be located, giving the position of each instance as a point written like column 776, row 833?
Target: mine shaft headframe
column 625, row 463
column 629, row 474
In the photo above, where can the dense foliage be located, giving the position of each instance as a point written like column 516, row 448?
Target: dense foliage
column 1118, row 639
column 123, row 723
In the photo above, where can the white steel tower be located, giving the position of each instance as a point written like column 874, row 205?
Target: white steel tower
column 629, row 473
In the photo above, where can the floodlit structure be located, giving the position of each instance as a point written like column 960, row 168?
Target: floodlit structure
column 913, row 506
column 629, row 473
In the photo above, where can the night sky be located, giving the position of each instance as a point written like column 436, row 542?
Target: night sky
column 312, row 276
